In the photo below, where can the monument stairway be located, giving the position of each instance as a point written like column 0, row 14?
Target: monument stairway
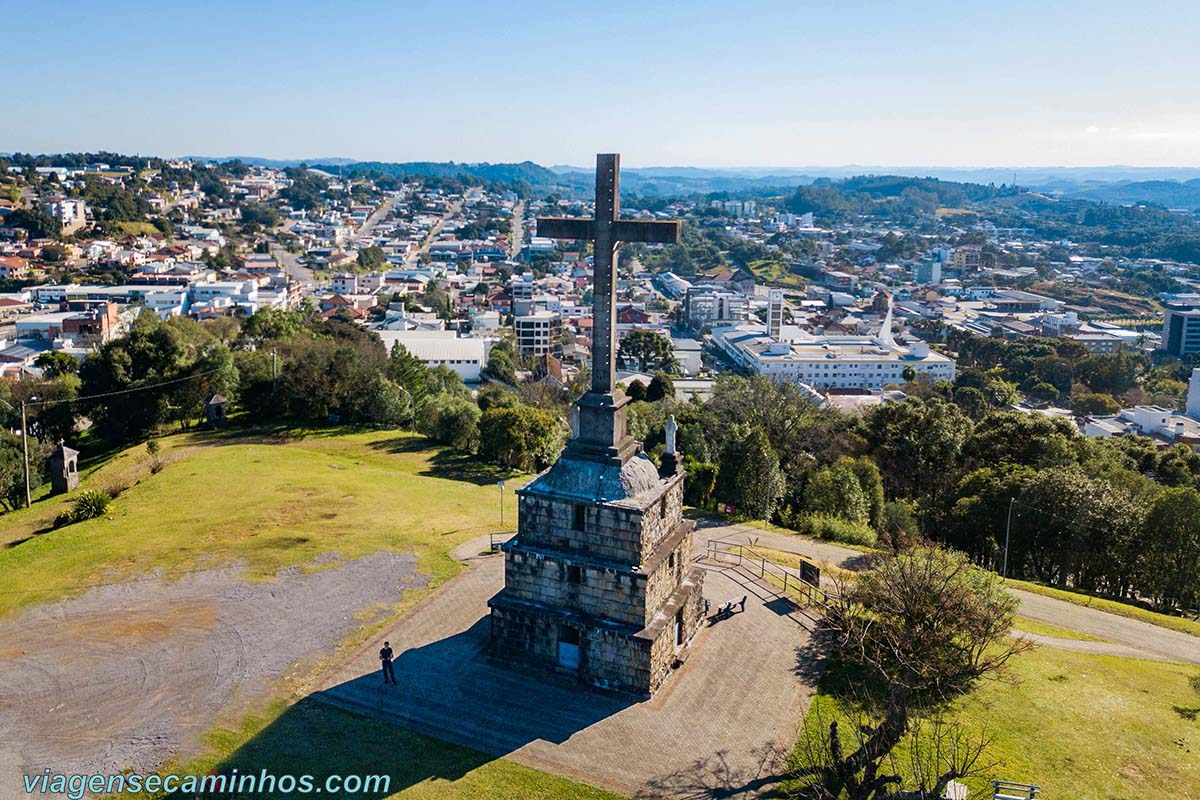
column 486, row 707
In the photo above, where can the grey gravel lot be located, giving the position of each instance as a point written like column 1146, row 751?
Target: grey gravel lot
column 129, row 675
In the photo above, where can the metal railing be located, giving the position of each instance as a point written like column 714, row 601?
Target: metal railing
column 496, row 540
column 757, row 564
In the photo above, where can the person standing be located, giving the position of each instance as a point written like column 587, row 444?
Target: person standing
column 385, row 658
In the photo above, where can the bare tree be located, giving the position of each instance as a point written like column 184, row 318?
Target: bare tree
column 918, row 629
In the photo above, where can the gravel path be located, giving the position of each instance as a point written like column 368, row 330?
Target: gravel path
column 1124, row 636
column 128, row 675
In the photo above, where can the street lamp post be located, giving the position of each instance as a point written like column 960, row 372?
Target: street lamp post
column 500, row 484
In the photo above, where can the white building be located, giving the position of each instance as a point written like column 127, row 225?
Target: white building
column 344, row 283
column 1161, row 424
column 70, row 213
column 465, row 355
column 837, row 361
column 237, row 293
column 707, row 305
column 538, row 333
column 688, row 353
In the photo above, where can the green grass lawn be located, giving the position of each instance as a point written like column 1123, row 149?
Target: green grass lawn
column 138, row 229
column 776, row 273
column 265, row 503
column 1086, row 727
column 1180, row 624
column 310, row 738
column 269, row 502
column 1027, row 625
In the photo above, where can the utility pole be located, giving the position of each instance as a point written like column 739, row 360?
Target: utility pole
column 25, row 455
column 1007, row 531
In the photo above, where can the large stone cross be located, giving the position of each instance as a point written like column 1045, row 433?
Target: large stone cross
column 607, row 232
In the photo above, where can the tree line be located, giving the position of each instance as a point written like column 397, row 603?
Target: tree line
column 1011, row 490
column 276, row 367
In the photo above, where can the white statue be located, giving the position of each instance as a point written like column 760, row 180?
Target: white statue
column 672, row 429
column 574, row 422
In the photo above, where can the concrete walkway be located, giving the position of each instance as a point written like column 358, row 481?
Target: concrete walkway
column 1123, row 636
column 720, row 728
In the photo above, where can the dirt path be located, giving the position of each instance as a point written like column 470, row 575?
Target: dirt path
column 128, row 675
column 1124, row 636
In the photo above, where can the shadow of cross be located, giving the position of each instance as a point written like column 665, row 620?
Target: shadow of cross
column 607, row 232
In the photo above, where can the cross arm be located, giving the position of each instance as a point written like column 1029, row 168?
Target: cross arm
column 565, row 228
column 638, row 230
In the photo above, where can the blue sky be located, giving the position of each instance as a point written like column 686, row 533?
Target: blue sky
column 702, row 83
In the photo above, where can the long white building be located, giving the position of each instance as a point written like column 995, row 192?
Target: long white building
column 837, row 361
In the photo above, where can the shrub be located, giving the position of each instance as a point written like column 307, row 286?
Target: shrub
column 832, row 528
column 89, row 504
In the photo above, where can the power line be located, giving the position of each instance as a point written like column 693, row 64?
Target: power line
column 122, row 391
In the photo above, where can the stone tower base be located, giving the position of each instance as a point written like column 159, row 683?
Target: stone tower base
column 609, row 655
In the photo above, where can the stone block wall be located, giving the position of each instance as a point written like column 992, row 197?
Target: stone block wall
column 603, row 591
column 615, row 532
column 609, row 658
column 660, row 518
column 664, row 652
column 669, row 572
column 522, row 637
column 609, row 532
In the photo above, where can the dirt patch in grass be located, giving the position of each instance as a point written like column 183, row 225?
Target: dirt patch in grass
column 129, row 675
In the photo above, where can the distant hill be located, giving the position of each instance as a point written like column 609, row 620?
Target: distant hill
column 526, row 172
column 1169, row 194
column 273, row 163
column 1170, row 187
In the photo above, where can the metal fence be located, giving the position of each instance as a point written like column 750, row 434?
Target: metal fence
column 803, row 582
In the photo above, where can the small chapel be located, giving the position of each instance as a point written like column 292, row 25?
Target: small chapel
column 599, row 583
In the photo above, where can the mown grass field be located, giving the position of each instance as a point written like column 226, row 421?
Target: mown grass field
column 315, row 739
column 1027, row 625
column 1083, row 727
column 267, row 502
column 263, row 502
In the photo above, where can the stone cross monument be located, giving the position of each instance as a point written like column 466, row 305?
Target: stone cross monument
column 599, row 582
column 601, row 433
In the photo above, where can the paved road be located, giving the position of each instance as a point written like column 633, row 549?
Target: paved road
column 432, row 235
column 1127, row 636
column 291, row 264
column 517, row 235
column 378, row 215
